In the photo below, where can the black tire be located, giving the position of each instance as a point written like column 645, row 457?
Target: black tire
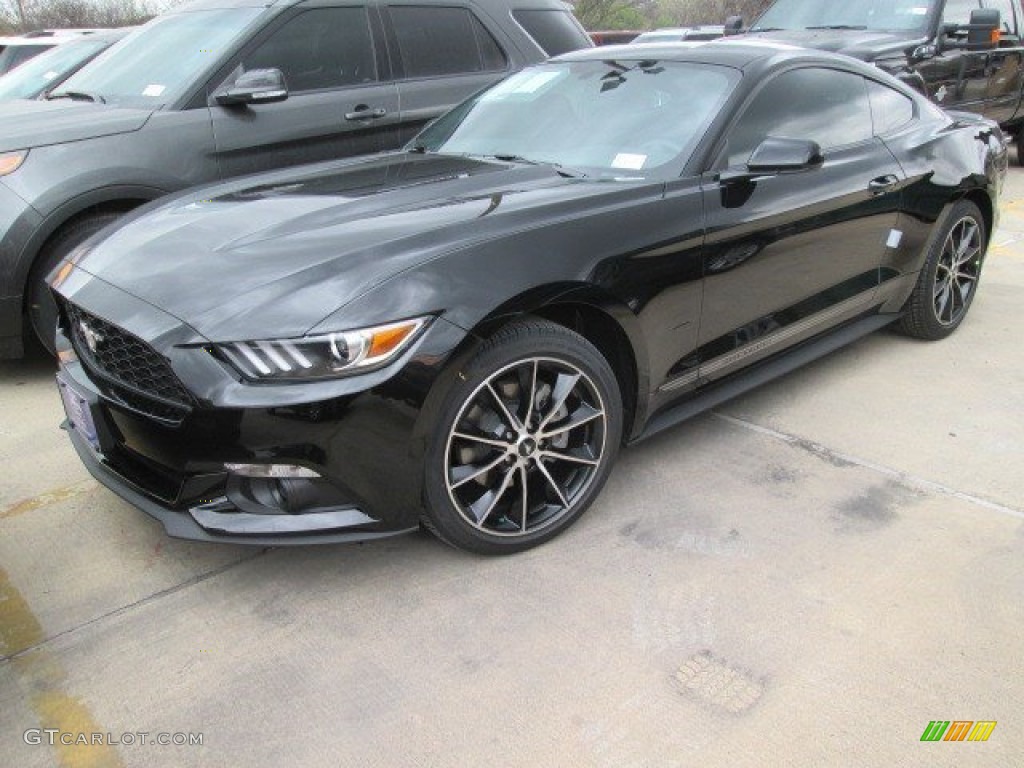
column 558, row 382
column 949, row 278
column 42, row 311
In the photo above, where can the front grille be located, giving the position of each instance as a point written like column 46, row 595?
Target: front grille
column 129, row 370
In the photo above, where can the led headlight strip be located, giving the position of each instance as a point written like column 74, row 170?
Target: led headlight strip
column 323, row 356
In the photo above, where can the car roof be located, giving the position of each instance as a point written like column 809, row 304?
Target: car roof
column 17, row 40
column 499, row 5
column 736, row 53
column 682, row 30
column 104, row 34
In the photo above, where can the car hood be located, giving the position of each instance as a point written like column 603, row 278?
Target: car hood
column 29, row 124
column 858, row 43
column 274, row 255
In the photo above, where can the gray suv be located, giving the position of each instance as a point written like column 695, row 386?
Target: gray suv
column 222, row 88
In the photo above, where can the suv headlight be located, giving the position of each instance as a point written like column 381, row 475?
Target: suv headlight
column 322, row 357
column 11, row 161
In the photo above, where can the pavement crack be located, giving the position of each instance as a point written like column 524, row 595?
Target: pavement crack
column 843, row 459
column 191, row 582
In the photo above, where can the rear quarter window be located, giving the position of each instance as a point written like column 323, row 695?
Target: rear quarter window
column 890, row 109
column 556, row 32
column 435, row 41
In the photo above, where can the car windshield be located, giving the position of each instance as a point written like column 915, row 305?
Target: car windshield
column 883, row 15
column 601, row 118
column 37, row 74
column 161, row 61
column 15, row 55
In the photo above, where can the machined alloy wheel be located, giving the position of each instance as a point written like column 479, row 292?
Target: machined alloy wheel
column 525, row 446
column 528, row 443
column 949, row 277
column 957, row 271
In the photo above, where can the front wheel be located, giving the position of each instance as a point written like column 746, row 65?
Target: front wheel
column 525, row 441
column 42, row 310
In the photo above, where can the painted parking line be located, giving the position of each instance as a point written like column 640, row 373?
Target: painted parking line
column 46, row 499
column 42, row 677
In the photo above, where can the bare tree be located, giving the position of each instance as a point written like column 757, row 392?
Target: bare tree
column 643, row 14
column 27, row 15
column 611, row 14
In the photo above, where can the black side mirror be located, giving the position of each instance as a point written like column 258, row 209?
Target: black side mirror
column 733, row 25
column 983, row 31
column 771, row 158
column 257, row 86
column 785, row 156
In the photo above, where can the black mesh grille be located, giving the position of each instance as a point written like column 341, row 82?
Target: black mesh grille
column 131, row 370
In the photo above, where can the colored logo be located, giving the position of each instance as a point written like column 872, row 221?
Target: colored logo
column 958, row 730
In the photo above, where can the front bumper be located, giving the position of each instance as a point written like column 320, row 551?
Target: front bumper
column 177, row 474
column 365, row 444
column 198, row 527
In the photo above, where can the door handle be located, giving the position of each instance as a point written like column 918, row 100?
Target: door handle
column 363, row 112
column 883, row 184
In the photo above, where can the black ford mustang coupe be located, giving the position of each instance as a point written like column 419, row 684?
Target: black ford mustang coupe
column 463, row 334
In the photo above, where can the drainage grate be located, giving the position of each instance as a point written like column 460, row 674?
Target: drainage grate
column 713, row 682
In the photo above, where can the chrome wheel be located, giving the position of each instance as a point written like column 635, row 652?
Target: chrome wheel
column 957, row 271
column 525, row 447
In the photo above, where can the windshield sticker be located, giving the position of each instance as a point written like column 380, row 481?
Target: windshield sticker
column 917, row 10
column 631, row 162
column 154, row 90
column 49, row 76
column 523, row 83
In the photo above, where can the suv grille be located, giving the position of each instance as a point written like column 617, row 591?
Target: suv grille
column 128, row 368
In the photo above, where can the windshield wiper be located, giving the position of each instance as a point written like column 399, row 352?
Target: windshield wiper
column 837, row 26
column 76, row 96
column 767, row 29
column 560, row 169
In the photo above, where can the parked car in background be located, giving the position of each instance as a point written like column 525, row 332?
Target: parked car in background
column 613, row 36
column 17, row 50
column 676, row 34
column 49, row 69
column 962, row 54
column 464, row 333
column 214, row 90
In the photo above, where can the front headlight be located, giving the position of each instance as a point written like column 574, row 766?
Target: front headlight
column 11, row 161
column 321, row 357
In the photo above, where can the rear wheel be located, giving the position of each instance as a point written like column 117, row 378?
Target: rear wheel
column 949, row 279
column 525, row 442
column 42, row 311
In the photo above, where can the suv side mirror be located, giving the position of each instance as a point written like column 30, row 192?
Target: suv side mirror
column 257, row 86
column 983, row 31
column 733, row 25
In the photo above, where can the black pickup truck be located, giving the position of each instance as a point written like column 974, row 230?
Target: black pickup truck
column 963, row 54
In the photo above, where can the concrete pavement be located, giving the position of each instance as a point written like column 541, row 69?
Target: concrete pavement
column 805, row 577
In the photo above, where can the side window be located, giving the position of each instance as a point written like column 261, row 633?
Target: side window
column 959, row 11
column 321, row 48
column 435, row 40
column 556, row 32
column 889, row 109
column 1007, row 21
column 822, row 105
